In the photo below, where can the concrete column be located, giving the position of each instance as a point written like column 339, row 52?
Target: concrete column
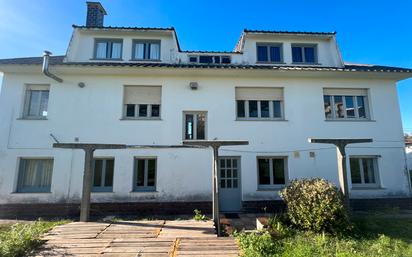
column 216, row 212
column 87, row 184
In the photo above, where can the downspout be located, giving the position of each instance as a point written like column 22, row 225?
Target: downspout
column 45, row 68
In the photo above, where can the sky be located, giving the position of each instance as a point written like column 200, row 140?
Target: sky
column 368, row 31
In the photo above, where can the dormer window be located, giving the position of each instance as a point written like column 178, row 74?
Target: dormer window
column 108, row 49
column 269, row 53
column 146, row 50
column 304, row 53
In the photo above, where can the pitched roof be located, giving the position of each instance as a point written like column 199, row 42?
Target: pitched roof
column 58, row 60
column 123, row 28
column 290, row 32
column 240, row 42
column 172, row 29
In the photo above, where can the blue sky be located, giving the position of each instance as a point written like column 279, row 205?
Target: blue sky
column 376, row 32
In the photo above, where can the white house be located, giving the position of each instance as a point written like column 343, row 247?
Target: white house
column 136, row 86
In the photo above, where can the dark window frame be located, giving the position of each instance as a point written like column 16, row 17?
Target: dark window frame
column 146, row 54
column 194, row 128
column 302, row 50
column 375, row 167
column 102, row 187
column 268, row 46
column 272, row 185
column 259, row 111
column 32, row 189
column 144, row 188
column 332, row 105
column 28, row 101
column 109, row 42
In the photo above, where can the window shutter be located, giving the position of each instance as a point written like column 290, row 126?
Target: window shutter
column 142, row 94
column 259, row 93
column 346, row 91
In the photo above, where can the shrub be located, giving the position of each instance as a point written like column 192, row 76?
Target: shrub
column 257, row 245
column 199, row 216
column 316, row 205
column 20, row 238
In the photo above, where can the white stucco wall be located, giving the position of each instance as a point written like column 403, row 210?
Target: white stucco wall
column 81, row 47
column 93, row 114
column 408, row 150
column 327, row 50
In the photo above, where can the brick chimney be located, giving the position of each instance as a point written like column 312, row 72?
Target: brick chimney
column 95, row 14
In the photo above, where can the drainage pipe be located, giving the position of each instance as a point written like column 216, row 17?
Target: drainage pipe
column 45, row 68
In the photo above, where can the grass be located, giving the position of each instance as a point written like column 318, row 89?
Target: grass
column 372, row 236
column 19, row 239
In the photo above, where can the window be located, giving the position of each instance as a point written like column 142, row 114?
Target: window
column 34, row 175
column 216, row 59
column 103, row 175
column 144, row 174
column 269, row 52
column 36, row 101
column 108, row 48
column 229, row 172
column 194, row 125
column 345, row 103
column 142, row 102
column 364, row 171
column 271, row 172
column 304, row 53
column 259, row 103
column 146, row 50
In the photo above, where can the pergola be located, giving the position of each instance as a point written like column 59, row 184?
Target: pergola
column 88, row 167
column 341, row 144
column 215, row 145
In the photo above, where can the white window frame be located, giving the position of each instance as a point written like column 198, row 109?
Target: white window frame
column 27, row 101
column 355, row 106
column 144, row 188
column 194, row 113
column 361, row 185
column 272, row 186
column 271, row 110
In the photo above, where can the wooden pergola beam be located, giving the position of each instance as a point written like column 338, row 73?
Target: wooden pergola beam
column 341, row 144
column 215, row 144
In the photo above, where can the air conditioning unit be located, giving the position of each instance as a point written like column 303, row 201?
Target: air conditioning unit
column 193, row 85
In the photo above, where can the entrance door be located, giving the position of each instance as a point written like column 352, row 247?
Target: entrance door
column 229, row 184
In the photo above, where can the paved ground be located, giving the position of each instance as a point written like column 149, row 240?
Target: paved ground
column 137, row 238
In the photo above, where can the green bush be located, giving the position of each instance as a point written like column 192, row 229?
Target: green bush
column 20, row 239
column 199, row 216
column 257, row 245
column 316, row 205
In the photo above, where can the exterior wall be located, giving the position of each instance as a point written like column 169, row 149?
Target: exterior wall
column 94, row 114
column 408, row 150
column 328, row 53
column 81, row 48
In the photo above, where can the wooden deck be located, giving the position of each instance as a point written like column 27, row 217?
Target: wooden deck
column 137, row 238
